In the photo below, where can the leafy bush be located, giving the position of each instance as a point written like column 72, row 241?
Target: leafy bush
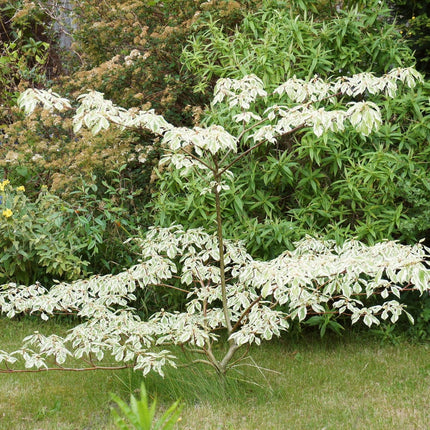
column 37, row 238
column 26, row 56
column 131, row 51
column 45, row 237
column 415, row 18
column 109, row 214
column 339, row 186
column 278, row 42
column 226, row 288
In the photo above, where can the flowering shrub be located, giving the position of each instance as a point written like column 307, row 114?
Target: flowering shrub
column 225, row 287
column 37, row 238
column 57, row 239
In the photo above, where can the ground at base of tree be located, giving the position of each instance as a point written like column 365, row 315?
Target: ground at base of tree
column 352, row 381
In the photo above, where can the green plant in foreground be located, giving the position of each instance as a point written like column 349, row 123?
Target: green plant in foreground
column 140, row 415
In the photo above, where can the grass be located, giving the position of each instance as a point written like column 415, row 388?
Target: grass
column 352, row 382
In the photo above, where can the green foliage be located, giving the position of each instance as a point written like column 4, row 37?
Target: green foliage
column 24, row 52
column 140, row 415
column 415, row 19
column 45, row 237
column 325, row 322
column 339, row 185
column 420, row 307
column 276, row 43
column 369, row 188
column 37, row 238
column 108, row 213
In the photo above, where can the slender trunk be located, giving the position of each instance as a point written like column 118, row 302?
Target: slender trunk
column 221, row 255
column 222, row 365
column 227, row 357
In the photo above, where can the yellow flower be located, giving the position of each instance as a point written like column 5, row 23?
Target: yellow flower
column 3, row 184
column 7, row 213
column 21, row 188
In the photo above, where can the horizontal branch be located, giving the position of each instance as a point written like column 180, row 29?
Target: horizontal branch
column 244, row 154
column 66, row 369
column 197, row 361
column 170, row 286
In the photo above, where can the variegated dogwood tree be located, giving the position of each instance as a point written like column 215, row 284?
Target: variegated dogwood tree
column 228, row 291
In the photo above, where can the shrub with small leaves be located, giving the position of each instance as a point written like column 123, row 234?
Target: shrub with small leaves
column 131, row 51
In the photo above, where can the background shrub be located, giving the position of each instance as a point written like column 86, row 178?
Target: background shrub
column 44, row 237
column 339, row 186
column 24, row 52
column 415, row 17
column 281, row 40
column 38, row 238
column 131, row 51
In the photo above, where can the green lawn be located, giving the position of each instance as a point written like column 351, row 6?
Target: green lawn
column 351, row 382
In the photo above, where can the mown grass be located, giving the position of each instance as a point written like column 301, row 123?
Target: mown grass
column 352, row 382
